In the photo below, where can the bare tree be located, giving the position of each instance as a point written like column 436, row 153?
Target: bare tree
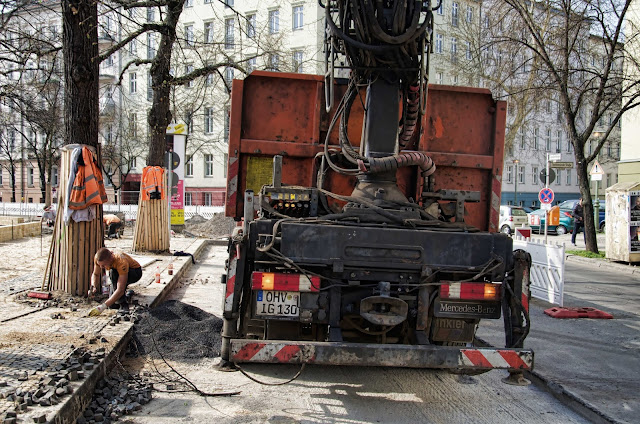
column 576, row 50
column 10, row 154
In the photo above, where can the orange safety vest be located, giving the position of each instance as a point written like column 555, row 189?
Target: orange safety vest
column 88, row 187
column 152, row 187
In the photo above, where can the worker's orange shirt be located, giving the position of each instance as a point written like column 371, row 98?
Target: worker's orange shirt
column 121, row 263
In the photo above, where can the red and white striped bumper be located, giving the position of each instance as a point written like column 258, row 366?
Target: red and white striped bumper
column 411, row 356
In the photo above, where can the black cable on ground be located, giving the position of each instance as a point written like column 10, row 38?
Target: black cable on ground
column 264, row 383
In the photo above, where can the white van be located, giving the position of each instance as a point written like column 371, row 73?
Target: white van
column 512, row 217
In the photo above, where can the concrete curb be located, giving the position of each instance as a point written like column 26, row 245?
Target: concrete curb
column 630, row 269
column 82, row 395
column 570, row 399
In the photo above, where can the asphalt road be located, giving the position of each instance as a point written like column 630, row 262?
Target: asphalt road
column 334, row 394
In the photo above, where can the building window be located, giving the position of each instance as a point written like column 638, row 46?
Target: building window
column 274, row 62
column 440, row 77
column 548, row 140
column 209, row 80
column 509, row 174
column 251, row 64
column 469, row 14
column 568, row 177
column 188, row 35
column 558, row 176
column 228, row 33
column 208, row 32
column 188, row 166
column 208, row 199
column 151, row 47
column 608, row 180
column 298, row 17
column 108, row 133
column 208, row 120
column 188, row 3
column 521, row 170
column 536, row 144
column 454, row 14
column 187, row 70
column 454, row 49
column 439, row 42
column 251, row 25
column 149, row 87
column 521, row 133
column 468, row 54
column 208, row 165
column 440, row 10
column 188, row 196
column 133, row 125
column 274, row 21
column 151, row 14
column 227, row 116
column 133, row 49
column 228, row 3
column 534, row 175
column 558, row 141
column 54, row 177
column 30, row 172
column 133, row 85
column 297, row 61
column 133, row 162
column 609, row 149
column 228, row 75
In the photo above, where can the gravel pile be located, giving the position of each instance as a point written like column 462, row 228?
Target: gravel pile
column 218, row 226
column 178, row 331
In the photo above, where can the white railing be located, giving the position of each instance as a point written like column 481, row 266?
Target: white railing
column 35, row 210
column 547, row 269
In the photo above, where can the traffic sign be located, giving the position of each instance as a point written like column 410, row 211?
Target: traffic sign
column 596, row 169
column 561, row 165
column 555, row 156
column 545, row 196
column 543, row 175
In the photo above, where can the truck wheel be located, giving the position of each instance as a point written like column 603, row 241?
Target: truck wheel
column 561, row 230
column 506, row 230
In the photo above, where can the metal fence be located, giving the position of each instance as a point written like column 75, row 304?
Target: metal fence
column 35, row 210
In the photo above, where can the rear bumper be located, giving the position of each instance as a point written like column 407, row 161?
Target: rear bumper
column 360, row 354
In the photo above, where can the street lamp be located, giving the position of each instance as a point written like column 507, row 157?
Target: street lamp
column 515, row 192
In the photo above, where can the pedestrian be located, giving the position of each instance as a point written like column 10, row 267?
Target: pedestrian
column 124, row 270
column 578, row 221
column 113, row 224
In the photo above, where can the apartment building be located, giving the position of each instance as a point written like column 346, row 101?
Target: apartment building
column 288, row 36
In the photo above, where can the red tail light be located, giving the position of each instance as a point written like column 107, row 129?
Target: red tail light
column 510, row 218
column 567, row 214
column 284, row 282
column 470, row 291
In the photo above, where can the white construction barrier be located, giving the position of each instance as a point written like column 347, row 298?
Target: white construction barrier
column 547, row 269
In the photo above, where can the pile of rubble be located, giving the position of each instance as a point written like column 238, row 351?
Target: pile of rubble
column 218, row 226
column 116, row 396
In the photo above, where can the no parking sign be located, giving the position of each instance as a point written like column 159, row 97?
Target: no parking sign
column 546, row 196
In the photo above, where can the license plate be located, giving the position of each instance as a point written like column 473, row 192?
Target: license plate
column 277, row 303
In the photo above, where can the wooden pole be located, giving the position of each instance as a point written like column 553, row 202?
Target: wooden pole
column 151, row 232
column 74, row 245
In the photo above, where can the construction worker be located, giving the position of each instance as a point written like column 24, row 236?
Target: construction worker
column 113, row 223
column 124, row 270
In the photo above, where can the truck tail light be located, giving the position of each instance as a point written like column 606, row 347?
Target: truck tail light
column 284, row 282
column 470, row 291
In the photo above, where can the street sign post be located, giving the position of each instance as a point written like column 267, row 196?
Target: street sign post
column 596, row 175
column 546, row 196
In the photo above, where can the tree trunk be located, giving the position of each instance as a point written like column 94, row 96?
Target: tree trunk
column 591, row 243
column 150, row 219
column 74, row 246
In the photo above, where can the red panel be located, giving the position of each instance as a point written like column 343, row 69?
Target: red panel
column 278, row 113
column 558, row 312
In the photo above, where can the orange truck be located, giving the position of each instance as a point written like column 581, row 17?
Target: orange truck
column 306, row 283
column 369, row 209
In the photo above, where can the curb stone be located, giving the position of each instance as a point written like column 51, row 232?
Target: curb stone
column 630, row 269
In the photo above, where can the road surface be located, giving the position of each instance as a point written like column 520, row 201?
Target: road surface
column 332, row 394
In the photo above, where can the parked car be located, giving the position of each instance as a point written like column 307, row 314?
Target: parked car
column 565, row 226
column 570, row 204
column 511, row 217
